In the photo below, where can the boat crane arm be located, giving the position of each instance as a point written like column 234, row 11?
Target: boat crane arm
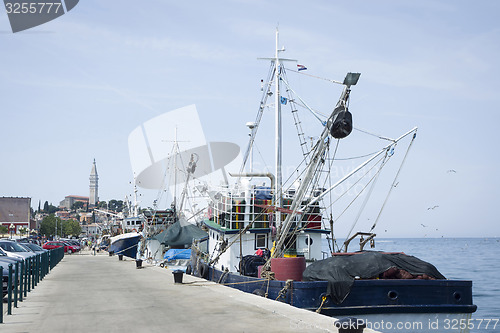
column 383, row 150
column 316, row 157
column 106, row 212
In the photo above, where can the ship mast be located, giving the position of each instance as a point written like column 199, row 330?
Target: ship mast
column 278, row 144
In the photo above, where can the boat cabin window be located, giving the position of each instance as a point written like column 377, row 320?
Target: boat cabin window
column 260, row 241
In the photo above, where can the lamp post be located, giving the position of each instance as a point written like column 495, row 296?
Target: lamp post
column 12, row 227
column 11, row 223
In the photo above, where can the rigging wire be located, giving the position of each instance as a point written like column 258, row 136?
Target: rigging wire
column 370, row 191
column 265, row 94
column 355, row 157
column 373, row 134
column 395, row 180
column 314, row 76
column 354, row 184
column 266, row 166
column 334, row 242
column 313, row 112
column 355, row 198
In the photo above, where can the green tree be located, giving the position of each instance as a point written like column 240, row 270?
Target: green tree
column 115, row 205
column 48, row 226
column 3, row 229
column 71, row 228
column 77, row 205
column 102, row 204
column 52, row 209
column 46, row 207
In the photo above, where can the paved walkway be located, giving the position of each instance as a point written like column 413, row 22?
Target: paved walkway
column 86, row 293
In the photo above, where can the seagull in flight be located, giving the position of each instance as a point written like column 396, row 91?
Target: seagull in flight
column 451, row 171
column 423, row 225
column 432, row 207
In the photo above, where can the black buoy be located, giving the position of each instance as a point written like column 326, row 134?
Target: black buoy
column 350, row 325
column 341, row 123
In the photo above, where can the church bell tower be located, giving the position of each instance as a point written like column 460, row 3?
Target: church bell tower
column 94, row 179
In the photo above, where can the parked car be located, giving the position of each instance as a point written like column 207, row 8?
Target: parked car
column 33, row 247
column 73, row 242
column 55, row 244
column 4, row 262
column 9, row 260
column 13, row 249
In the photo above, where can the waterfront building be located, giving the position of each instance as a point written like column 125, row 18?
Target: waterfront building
column 15, row 213
column 71, row 199
column 93, row 229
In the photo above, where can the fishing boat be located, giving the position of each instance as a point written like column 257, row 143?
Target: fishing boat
column 267, row 238
column 170, row 228
column 126, row 242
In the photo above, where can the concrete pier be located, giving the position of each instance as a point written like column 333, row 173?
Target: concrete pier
column 87, row 293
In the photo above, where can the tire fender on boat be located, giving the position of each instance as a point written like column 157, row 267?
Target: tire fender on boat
column 204, row 271
column 259, row 292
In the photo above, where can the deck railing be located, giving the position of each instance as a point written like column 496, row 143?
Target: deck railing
column 235, row 211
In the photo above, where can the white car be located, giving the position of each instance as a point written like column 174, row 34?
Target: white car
column 15, row 250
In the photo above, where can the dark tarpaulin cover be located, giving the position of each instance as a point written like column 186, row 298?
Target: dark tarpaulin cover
column 179, row 235
column 340, row 271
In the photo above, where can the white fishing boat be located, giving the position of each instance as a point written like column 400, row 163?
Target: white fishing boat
column 262, row 237
column 175, row 227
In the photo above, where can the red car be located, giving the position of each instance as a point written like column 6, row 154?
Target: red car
column 55, row 244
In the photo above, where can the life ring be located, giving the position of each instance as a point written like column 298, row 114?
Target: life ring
column 134, row 230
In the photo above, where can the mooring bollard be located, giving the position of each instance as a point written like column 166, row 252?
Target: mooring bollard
column 138, row 263
column 120, row 257
column 178, row 276
column 350, row 325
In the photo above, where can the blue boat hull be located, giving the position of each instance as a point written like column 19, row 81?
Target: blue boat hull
column 366, row 296
column 125, row 246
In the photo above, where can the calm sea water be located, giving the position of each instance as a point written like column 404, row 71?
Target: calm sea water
column 475, row 259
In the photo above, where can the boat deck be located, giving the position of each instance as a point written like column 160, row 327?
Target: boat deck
column 87, row 293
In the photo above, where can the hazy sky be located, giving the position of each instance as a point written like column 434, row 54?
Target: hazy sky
column 73, row 89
